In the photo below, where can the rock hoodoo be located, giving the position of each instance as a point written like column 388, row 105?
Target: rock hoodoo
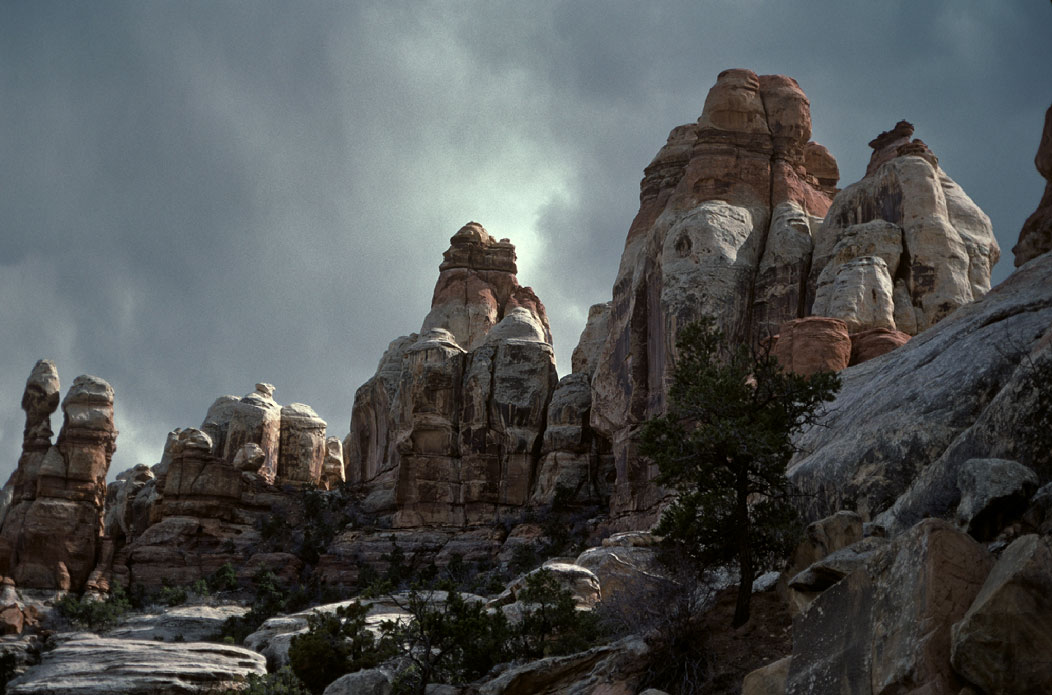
column 449, row 431
column 727, row 214
column 51, row 518
column 1035, row 238
column 740, row 219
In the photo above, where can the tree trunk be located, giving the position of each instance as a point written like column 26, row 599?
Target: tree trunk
column 745, row 561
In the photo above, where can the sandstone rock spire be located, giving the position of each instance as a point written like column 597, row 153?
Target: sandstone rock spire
column 51, row 527
column 1035, row 238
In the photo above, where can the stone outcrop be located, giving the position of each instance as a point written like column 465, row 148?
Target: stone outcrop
column 728, row 209
column 1002, row 643
column 894, row 439
column 994, row 493
column 52, row 524
column 91, row 664
column 205, row 503
column 874, row 342
column 902, row 248
column 450, row 430
column 1035, row 238
column 886, row 628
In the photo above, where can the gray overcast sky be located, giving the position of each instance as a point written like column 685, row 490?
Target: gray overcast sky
column 196, row 196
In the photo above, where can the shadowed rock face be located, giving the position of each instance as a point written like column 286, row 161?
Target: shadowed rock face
column 1035, row 238
column 727, row 213
column 52, row 510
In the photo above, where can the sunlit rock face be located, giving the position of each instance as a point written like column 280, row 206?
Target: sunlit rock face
column 902, row 248
column 728, row 211
column 449, row 431
column 52, row 507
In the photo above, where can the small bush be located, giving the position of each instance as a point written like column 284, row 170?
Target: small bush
column 551, row 624
column 335, row 644
column 283, row 682
column 92, row 613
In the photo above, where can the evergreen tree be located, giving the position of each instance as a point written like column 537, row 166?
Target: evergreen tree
column 723, row 446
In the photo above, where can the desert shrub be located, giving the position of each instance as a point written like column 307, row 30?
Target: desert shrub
column 335, row 644
column 173, row 595
column 283, row 682
column 270, row 599
column 223, row 579
column 95, row 614
column 551, row 624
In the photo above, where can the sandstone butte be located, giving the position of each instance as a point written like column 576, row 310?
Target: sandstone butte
column 465, row 427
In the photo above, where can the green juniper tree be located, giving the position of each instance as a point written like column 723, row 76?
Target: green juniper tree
column 723, row 446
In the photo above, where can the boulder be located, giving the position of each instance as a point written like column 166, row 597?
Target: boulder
column 811, row 345
column 994, row 493
column 1002, row 644
column 612, row 668
column 1035, row 238
column 370, row 681
column 886, row 627
column 256, row 419
column 582, row 583
column 178, row 624
column 768, row 680
column 624, row 572
column 91, row 664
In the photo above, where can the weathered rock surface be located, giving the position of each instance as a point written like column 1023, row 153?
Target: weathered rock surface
column 178, row 624
column 52, row 525
column 590, row 345
column 301, row 455
column 727, row 211
column 768, row 680
column 91, row 664
column 1003, row 642
column 371, row 681
column 874, row 342
column 613, row 668
column 903, row 247
column 885, row 628
column 994, row 492
column 450, row 431
column 893, row 440
column 814, row 344
column 477, row 287
column 1035, row 238
column 624, row 571
column 581, row 582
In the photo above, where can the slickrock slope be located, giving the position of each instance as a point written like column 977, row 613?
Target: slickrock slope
column 52, row 512
column 449, row 432
column 902, row 425
column 1035, row 238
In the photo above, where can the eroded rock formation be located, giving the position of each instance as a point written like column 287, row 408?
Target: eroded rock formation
column 1035, row 238
column 902, row 248
column 449, row 431
column 52, row 521
column 727, row 212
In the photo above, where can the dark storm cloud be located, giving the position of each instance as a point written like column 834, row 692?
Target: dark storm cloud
column 198, row 196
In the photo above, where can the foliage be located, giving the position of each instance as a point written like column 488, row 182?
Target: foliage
column 723, row 446
column 95, row 614
column 551, row 624
column 335, row 644
column 454, row 642
column 270, row 599
column 283, row 682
